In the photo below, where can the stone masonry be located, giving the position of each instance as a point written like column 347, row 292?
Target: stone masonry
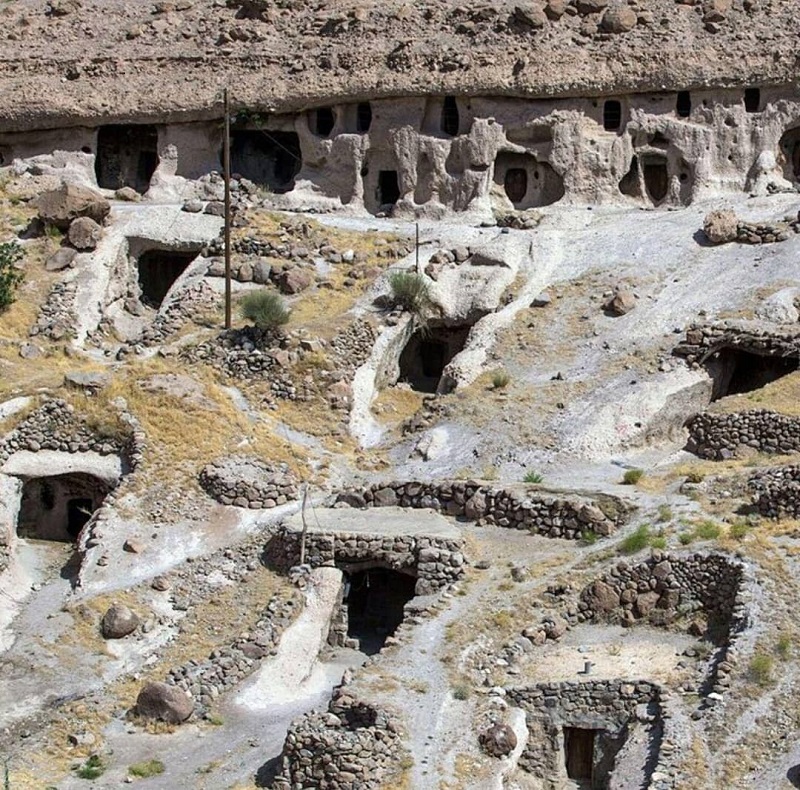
column 248, row 482
column 776, row 491
column 721, row 436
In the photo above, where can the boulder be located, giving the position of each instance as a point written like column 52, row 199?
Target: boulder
column 530, row 14
column 60, row 259
column 88, row 382
column 603, row 597
column 261, row 272
column 619, row 19
column 591, row 6
column 118, row 621
column 61, row 206
column 721, row 227
column 294, row 280
column 499, row 740
column 84, row 233
column 164, row 703
column 128, row 194
column 555, row 9
column 622, row 302
column 716, row 10
column 385, row 497
column 645, row 603
column 475, row 507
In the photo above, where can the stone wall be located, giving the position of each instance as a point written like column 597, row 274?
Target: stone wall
column 776, row 491
column 666, row 587
column 722, row 436
column 57, row 319
column 702, row 340
column 436, row 562
column 248, row 482
column 353, row 745
column 553, row 514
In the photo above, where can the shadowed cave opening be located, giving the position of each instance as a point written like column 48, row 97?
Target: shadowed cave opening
column 158, row 270
column 612, row 115
column 59, row 506
column 790, row 148
column 589, row 755
column 127, row 156
column 269, row 159
column 428, row 352
column 450, row 118
column 388, row 190
column 683, row 104
column 735, row 371
column 752, row 99
column 375, row 599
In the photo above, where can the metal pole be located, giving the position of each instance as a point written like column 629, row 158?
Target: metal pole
column 226, row 167
column 417, row 248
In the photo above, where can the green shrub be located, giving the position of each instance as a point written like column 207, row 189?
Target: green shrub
column 664, row 513
column 636, row 541
column 410, row 291
column 783, row 647
column 588, row 538
column 10, row 275
column 632, row 476
column 707, row 530
column 500, row 379
column 760, row 670
column 739, row 530
column 658, row 542
column 461, row 691
column 93, row 768
column 532, row 477
column 146, row 769
column 686, row 538
column 265, row 309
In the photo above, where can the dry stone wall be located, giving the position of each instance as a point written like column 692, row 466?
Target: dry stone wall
column 776, row 491
column 702, row 340
column 723, row 436
column 248, row 482
column 554, row 515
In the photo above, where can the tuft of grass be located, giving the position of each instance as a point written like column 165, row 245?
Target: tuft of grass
column 265, row 309
column 695, row 477
column 658, row 542
column 532, row 477
column 146, row 769
column 707, row 530
column 664, row 513
column 686, row 538
column 500, row 379
column 783, row 647
column 461, row 691
column 93, row 768
column 636, row 541
column 739, row 530
column 760, row 669
column 588, row 537
column 410, row 291
column 632, row 476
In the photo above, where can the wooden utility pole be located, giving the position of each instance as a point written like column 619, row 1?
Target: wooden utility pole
column 305, row 526
column 417, row 249
column 226, row 167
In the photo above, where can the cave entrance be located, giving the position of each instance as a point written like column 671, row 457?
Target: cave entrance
column 428, row 352
column 451, row 121
column 683, row 104
column 127, row 156
column 752, row 99
column 375, row 600
column 269, row 159
column 656, row 178
column 323, row 121
column 363, row 117
column 58, row 507
column 790, row 147
column 516, row 184
column 736, row 371
column 158, row 270
column 388, row 192
column 579, row 754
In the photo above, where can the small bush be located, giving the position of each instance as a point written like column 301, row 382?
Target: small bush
column 695, row 477
column 461, row 691
column 588, row 538
column 685, row 538
column 658, row 542
column 500, row 379
column 783, row 647
column 664, row 513
column 636, row 541
column 265, row 309
column 146, row 769
column 707, row 530
column 761, row 666
column 739, row 530
column 410, row 291
column 10, row 275
column 93, row 768
column 632, row 476
column 532, row 477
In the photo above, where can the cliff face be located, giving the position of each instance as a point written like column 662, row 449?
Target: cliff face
column 70, row 62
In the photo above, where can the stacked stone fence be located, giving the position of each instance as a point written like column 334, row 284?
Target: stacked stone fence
column 702, row 340
column 249, row 482
column 539, row 511
column 436, row 562
column 667, row 587
column 776, row 492
column 722, row 436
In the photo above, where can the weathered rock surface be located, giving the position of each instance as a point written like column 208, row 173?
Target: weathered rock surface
column 164, row 703
column 61, row 206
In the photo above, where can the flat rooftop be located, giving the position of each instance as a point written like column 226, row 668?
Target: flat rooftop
column 376, row 521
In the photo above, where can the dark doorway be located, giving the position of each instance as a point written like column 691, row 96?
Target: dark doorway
column 516, row 184
column 629, row 184
column 324, row 121
column 790, row 148
column 656, row 178
column 752, row 99
column 683, row 105
column 612, row 115
column 388, row 188
column 127, row 156
column 736, row 371
column 363, row 117
column 579, row 753
column 59, row 507
column 270, row 159
column 450, row 119
column 427, row 354
column 375, row 599
column 158, row 270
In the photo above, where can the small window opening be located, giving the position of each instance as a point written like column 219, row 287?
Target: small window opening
column 323, row 121
column 516, row 183
column 450, row 117
column 363, row 117
column 752, row 99
column 684, row 104
column 612, row 115
column 388, row 188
